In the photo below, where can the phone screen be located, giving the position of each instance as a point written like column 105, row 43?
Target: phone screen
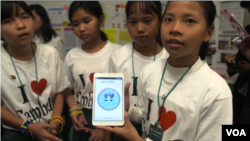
column 108, row 99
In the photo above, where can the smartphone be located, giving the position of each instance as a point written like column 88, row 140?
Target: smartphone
column 108, row 99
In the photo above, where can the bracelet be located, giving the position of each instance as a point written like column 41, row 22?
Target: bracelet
column 75, row 108
column 77, row 112
column 31, row 130
column 57, row 117
column 24, row 128
column 60, row 122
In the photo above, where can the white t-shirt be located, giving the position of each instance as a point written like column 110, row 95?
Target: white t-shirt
column 194, row 111
column 55, row 42
column 121, row 62
column 51, row 76
column 81, row 66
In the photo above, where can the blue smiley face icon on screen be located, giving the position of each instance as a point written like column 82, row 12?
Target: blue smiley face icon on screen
column 108, row 99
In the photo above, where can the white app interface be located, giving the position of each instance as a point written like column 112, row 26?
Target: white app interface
column 108, row 99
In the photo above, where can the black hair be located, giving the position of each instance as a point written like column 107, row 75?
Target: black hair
column 46, row 30
column 204, row 51
column 209, row 11
column 146, row 7
column 244, row 4
column 7, row 9
column 93, row 7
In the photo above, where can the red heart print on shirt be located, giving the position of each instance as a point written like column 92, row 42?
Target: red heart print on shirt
column 91, row 77
column 41, row 86
column 167, row 119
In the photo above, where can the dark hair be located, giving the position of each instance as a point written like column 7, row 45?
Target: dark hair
column 7, row 9
column 244, row 4
column 203, row 52
column 46, row 30
column 209, row 11
column 92, row 7
column 146, row 7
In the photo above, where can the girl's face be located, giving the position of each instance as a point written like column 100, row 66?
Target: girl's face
column 184, row 28
column 86, row 26
column 18, row 30
column 142, row 28
column 38, row 20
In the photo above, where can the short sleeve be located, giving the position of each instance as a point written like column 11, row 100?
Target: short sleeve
column 62, row 81
column 69, row 74
column 214, row 114
column 60, row 48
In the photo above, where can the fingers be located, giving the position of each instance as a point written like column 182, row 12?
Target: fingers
column 54, row 132
column 127, row 120
column 76, row 123
column 242, row 62
column 88, row 130
column 52, row 137
column 98, row 138
column 47, row 126
column 96, row 135
column 110, row 129
column 54, row 127
column 92, row 137
column 46, row 136
column 83, row 119
column 77, row 128
column 79, row 124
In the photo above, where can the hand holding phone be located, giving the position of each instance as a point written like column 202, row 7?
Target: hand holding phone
column 108, row 99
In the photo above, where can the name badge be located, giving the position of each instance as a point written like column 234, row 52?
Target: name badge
column 155, row 133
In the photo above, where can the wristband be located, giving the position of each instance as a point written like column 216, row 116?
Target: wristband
column 76, row 112
column 75, row 108
column 57, row 117
column 24, row 128
column 60, row 122
column 32, row 124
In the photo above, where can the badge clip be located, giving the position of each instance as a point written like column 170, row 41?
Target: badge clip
column 156, row 124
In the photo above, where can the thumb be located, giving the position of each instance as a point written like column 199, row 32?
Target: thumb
column 54, row 132
column 89, row 130
column 53, row 126
column 47, row 126
column 127, row 89
column 242, row 62
column 126, row 117
column 127, row 120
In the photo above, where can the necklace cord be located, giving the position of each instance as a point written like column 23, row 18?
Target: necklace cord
column 22, row 84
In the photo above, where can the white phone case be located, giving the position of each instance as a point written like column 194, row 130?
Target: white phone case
column 108, row 98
